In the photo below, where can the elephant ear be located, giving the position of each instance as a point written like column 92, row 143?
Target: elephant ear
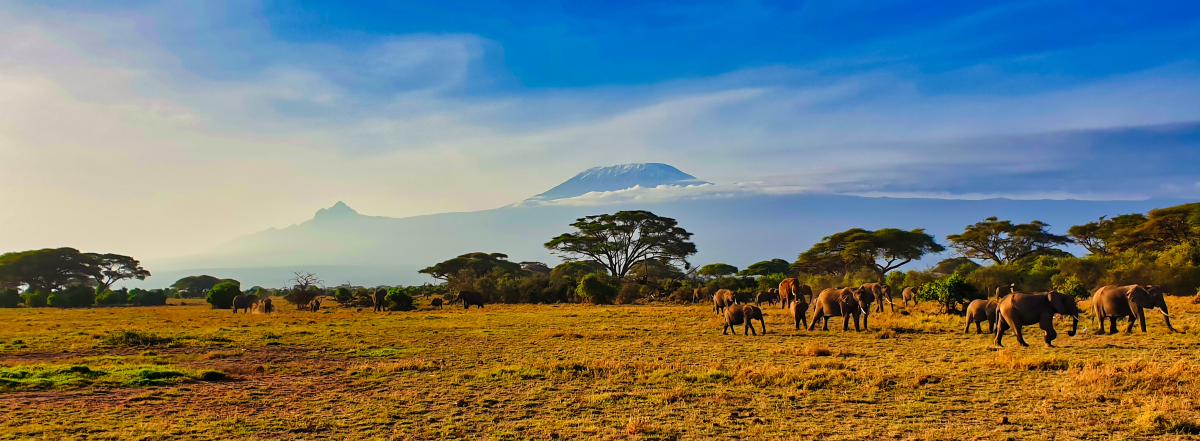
column 1138, row 295
column 1062, row 303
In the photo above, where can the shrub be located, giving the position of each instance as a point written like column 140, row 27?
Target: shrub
column 222, row 295
column 952, row 293
column 35, row 299
column 135, row 338
column 154, row 297
column 630, row 293
column 765, row 283
column 9, row 298
column 594, row 289
column 1071, row 286
column 398, row 299
column 110, row 298
column 76, row 296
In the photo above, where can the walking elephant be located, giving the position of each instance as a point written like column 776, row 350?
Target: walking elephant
column 724, row 298
column 244, row 302
column 1114, row 302
column 882, row 293
column 379, row 299
column 1018, row 310
column 910, row 294
column 743, row 315
column 979, row 311
column 264, row 306
column 791, row 289
column 469, row 298
column 767, row 297
column 844, row 302
column 799, row 311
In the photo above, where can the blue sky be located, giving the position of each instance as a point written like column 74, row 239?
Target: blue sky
column 273, row 109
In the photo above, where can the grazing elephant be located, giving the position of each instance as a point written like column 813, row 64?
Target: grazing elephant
column 790, row 289
column 1114, row 302
column 979, row 311
column 844, row 302
column 469, row 298
column 799, row 311
column 1018, row 310
column 743, row 315
column 910, row 294
column 379, row 299
column 724, row 298
column 882, row 293
column 766, row 297
column 244, row 302
column 436, row 303
column 264, row 306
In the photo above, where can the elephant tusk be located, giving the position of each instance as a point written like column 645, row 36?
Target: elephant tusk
column 1164, row 313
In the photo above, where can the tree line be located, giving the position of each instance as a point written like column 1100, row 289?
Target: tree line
column 631, row 256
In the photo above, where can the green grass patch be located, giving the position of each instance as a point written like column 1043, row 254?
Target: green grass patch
column 129, row 338
column 38, row 377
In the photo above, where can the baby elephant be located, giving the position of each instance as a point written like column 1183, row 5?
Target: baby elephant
column 436, row 303
column 767, row 297
column 979, row 311
column 740, row 314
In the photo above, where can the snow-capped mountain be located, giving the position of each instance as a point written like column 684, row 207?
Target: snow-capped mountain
column 619, row 177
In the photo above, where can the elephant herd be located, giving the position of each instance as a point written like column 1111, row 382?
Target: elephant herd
column 1010, row 309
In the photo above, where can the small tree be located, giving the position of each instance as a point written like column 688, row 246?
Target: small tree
column 398, row 299
column 1071, row 286
column 74, row 296
column 766, row 267
column 111, row 298
column 222, row 295
column 953, row 293
column 593, row 289
column 108, row 269
column 35, row 298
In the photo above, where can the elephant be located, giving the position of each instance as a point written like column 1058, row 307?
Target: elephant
column 724, row 298
column 1005, row 290
column 790, row 289
column 910, row 294
column 1018, row 310
column 799, row 310
column 244, row 302
column 882, row 293
column 743, row 315
column 315, row 305
column 469, row 298
column 264, row 306
column 979, row 311
column 1114, row 302
column 766, row 297
column 845, row 302
column 436, row 303
column 379, row 299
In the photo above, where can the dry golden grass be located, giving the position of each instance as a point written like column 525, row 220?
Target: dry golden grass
column 583, row 372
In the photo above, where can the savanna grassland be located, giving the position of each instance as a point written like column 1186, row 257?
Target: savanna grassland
column 579, row 372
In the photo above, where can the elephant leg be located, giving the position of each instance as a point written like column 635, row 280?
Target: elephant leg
column 749, row 329
column 846, row 323
column 1141, row 314
column 1048, row 326
column 1113, row 321
column 725, row 328
column 824, row 323
column 1020, row 335
column 865, row 317
column 761, row 322
column 967, row 330
column 1132, row 321
column 1001, row 327
column 991, row 326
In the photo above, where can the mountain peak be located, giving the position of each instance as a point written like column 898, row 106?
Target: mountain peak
column 338, row 211
column 619, row 177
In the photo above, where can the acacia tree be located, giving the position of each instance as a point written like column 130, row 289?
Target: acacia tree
column 481, row 263
column 47, row 269
column 1102, row 237
column 717, row 270
column 882, row 250
column 766, row 268
column 1003, row 242
column 108, row 269
column 621, row 240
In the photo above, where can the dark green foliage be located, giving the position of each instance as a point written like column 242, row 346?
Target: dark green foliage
column 9, row 298
column 35, row 299
column 768, row 281
column 134, row 339
column 221, row 296
column 153, row 297
column 1003, row 242
column 1071, row 286
column 343, row 295
column 195, row 286
column 953, row 293
column 621, row 240
column 111, row 298
column 956, row 265
column 881, row 250
column 74, row 296
column 717, row 270
column 895, row 279
column 577, row 269
column 480, row 263
column 399, row 299
column 596, row 290
column 766, row 267
column 46, row 270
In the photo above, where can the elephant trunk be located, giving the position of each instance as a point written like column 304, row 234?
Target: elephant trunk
column 1074, row 325
column 1162, row 308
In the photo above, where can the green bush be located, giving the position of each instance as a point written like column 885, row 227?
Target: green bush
column 953, row 293
column 35, row 299
column 154, row 297
column 765, row 283
column 110, row 298
column 75, row 296
column 9, row 298
column 222, row 295
column 1071, row 286
column 398, row 299
column 895, row 279
column 593, row 289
